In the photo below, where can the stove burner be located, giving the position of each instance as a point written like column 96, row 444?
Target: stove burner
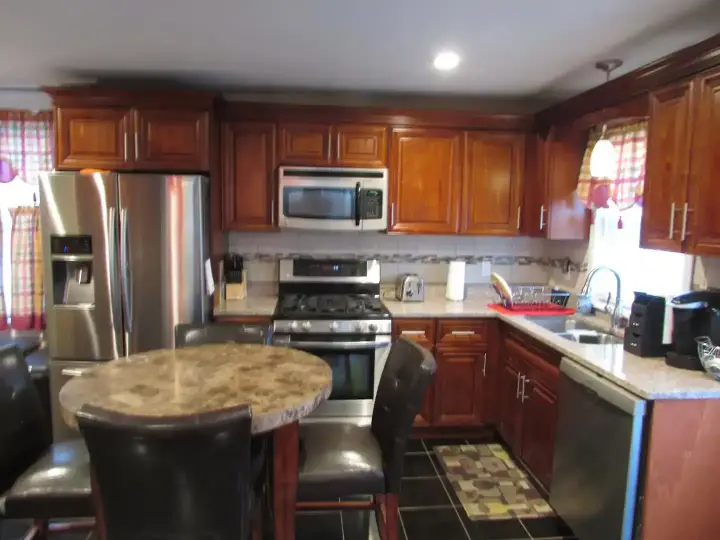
column 331, row 304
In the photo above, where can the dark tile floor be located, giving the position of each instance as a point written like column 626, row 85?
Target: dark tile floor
column 429, row 510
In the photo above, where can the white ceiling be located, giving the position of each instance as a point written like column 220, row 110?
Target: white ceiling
column 511, row 49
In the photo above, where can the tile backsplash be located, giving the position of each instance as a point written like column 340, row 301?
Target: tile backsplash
column 519, row 260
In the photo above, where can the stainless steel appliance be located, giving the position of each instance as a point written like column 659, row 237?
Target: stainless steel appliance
column 332, row 308
column 124, row 262
column 693, row 314
column 598, row 448
column 409, row 288
column 335, row 199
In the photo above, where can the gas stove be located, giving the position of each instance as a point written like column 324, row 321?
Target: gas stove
column 332, row 309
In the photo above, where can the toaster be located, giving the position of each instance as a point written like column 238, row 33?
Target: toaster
column 409, row 288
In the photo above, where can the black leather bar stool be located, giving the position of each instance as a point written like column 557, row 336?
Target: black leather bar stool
column 340, row 459
column 40, row 481
column 173, row 477
column 191, row 335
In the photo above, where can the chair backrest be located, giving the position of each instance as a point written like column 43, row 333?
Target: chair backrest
column 407, row 374
column 190, row 335
column 171, row 478
column 24, row 433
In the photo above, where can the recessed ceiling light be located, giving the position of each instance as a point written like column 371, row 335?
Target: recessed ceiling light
column 446, row 61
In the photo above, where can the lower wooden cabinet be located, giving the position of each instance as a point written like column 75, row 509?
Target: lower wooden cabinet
column 538, row 430
column 510, row 406
column 459, row 383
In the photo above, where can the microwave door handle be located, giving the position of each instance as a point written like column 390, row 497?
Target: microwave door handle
column 357, row 204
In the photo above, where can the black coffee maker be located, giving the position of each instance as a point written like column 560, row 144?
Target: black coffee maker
column 695, row 314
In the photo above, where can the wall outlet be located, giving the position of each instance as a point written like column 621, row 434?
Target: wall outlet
column 486, row 268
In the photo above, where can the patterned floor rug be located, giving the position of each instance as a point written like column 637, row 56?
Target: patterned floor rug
column 489, row 485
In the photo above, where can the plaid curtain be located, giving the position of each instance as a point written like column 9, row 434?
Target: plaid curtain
column 3, row 310
column 626, row 188
column 27, row 304
column 25, row 145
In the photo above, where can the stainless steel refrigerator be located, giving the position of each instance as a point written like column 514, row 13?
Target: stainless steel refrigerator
column 124, row 262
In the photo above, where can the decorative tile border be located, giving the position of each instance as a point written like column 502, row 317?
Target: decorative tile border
column 496, row 260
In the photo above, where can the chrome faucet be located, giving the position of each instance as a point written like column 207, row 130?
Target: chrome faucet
column 585, row 291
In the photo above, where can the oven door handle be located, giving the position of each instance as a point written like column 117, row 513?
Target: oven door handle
column 357, row 204
column 339, row 344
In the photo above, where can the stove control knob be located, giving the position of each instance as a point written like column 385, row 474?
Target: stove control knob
column 294, row 326
column 372, row 327
column 334, row 326
column 359, row 327
column 306, row 325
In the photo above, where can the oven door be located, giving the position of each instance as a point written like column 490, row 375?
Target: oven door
column 357, row 363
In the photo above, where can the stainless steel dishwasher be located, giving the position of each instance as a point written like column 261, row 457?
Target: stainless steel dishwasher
column 598, row 449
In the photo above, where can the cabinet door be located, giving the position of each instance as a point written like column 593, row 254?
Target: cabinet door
column 538, row 430
column 508, row 381
column 425, row 181
column 704, row 228
column 93, row 138
column 458, row 387
column 248, row 156
column 492, row 178
column 422, row 332
column 172, row 140
column 305, row 144
column 535, row 201
column 667, row 167
column 358, row 145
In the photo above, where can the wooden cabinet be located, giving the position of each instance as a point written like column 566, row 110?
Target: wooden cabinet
column 527, row 385
column 346, row 145
column 361, row 145
column 248, row 156
column 304, row 144
column 425, row 166
column 459, row 385
column 128, row 139
column 92, row 138
column 173, row 140
column 667, row 167
column 422, row 332
column 492, row 183
column 704, row 218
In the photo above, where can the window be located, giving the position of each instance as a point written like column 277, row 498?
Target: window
column 661, row 273
column 25, row 150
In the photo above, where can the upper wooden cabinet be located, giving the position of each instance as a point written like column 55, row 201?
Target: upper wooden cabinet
column 122, row 130
column 92, row 138
column 348, row 145
column 492, row 183
column 667, row 167
column 704, row 218
column 171, row 139
column 248, row 170
column 425, row 169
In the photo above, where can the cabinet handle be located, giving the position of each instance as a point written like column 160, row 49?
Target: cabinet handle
column 337, row 147
column 392, row 215
column 524, row 397
column 517, row 390
column 137, row 145
column 272, row 212
column 412, row 333
column 125, row 146
column 683, row 234
column 329, row 148
column 463, row 332
column 73, row 372
column 542, row 217
column 484, row 364
column 518, row 217
column 672, row 221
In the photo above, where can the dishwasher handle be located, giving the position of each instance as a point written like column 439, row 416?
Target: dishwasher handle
column 603, row 388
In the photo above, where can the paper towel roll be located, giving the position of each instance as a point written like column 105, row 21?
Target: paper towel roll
column 456, row 281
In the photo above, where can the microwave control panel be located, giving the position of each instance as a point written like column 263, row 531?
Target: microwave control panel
column 372, row 204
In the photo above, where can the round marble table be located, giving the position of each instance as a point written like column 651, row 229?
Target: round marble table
column 282, row 385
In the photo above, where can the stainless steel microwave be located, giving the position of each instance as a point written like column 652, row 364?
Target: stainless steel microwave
column 334, row 199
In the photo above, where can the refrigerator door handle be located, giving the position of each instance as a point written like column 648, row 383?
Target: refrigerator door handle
column 113, row 264
column 127, row 274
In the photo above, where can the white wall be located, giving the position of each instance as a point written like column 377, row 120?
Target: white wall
column 31, row 100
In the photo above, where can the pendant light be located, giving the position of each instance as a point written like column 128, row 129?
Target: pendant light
column 603, row 159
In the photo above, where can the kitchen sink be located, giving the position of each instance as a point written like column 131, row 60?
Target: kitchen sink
column 560, row 324
column 590, row 337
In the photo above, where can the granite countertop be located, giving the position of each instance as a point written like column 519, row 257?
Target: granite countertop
column 649, row 378
column 282, row 385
